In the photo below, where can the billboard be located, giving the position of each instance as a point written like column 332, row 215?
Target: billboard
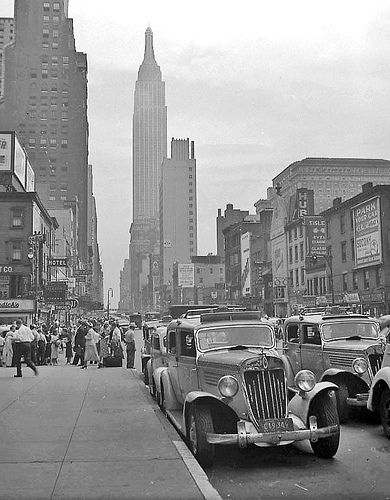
column 5, row 151
column 367, row 233
column 246, row 287
column 20, row 163
column 316, row 236
column 30, row 178
column 186, row 275
column 301, row 204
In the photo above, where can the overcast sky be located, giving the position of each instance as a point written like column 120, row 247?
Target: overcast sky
column 256, row 84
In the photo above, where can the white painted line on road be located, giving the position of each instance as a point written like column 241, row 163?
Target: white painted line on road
column 196, row 471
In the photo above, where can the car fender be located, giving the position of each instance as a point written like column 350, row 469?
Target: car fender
column 348, row 377
column 289, row 371
column 171, row 402
column 149, row 369
column 379, row 384
column 300, row 405
column 157, row 374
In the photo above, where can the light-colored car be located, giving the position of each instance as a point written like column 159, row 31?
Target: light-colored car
column 224, row 383
column 157, row 358
column 341, row 348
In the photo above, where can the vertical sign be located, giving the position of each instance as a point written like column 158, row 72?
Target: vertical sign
column 316, row 236
column 186, row 275
column 245, row 265
column 367, row 233
column 5, row 151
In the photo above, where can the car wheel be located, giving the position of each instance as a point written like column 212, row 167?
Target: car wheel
column 200, row 423
column 324, row 408
column 152, row 388
column 342, row 406
column 161, row 400
column 385, row 412
column 146, row 376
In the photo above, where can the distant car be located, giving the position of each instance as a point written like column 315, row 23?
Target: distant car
column 341, row 348
column 223, row 382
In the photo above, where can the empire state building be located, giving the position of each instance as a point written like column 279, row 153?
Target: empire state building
column 149, row 150
column 149, row 134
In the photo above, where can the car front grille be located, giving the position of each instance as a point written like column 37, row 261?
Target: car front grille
column 266, row 390
column 375, row 362
column 344, row 358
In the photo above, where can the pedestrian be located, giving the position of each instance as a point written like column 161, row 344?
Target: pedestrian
column 91, row 353
column 67, row 336
column 41, row 347
column 104, row 347
column 34, row 344
column 116, row 342
column 79, row 343
column 23, row 337
column 8, row 351
column 55, row 344
column 47, row 335
column 2, row 342
column 130, row 346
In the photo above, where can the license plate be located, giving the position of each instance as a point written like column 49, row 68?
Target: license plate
column 276, row 425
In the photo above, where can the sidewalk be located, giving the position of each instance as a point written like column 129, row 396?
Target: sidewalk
column 72, row 433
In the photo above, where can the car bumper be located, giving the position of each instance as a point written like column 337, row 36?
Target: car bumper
column 244, row 438
column 359, row 401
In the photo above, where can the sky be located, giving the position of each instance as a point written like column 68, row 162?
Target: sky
column 256, row 84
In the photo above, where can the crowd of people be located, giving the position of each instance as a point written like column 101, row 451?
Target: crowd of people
column 85, row 343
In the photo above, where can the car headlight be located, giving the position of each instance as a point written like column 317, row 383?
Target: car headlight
column 359, row 366
column 228, row 386
column 305, row 380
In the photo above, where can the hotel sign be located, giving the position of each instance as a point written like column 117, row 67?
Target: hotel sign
column 57, row 262
column 367, row 233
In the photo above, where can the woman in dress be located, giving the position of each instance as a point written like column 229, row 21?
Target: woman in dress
column 55, row 344
column 104, row 346
column 8, row 350
column 91, row 353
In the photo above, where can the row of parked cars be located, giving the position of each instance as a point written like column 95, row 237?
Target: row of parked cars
column 222, row 380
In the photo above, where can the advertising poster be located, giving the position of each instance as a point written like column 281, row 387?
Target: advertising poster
column 315, row 236
column 367, row 233
column 245, row 265
column 30, row 178
column 20, row 163
column 186, row 275
column 5, row 151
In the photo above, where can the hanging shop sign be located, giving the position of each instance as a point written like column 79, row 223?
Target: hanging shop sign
column 62, row 262
column 316, row 236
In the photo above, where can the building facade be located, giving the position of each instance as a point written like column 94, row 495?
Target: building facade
column 178, row 208
column 231, row 216
column 46, row 104
column 7, row 35
column 331, row 178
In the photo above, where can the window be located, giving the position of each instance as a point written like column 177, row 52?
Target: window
column 379, row 276
column 53, row 143
column 17, row 217
column 65, row 60
column 31, row 142
column 64, row 115
column 46, row 19
column 302, row 275
column 311, row 334
column 56, row 20
column 54, row 45
column 293, row 333
column 290, row 255
column 55, row 33
column 45, row 33
column 355, row 280
column 171, row 342
column 54, row 60
column 187, row 343
column 343, row 251
column 16, row 247
column 290, row 236
column 342, row 224
column 297, row 277
column 345, row 282
column 353, row 248
column 46, row 6
column 295, row 233
column 64, row 144
column 292, row 278
column 296, row 253
column 301, row 256
column 366, row 279
column 56, row 6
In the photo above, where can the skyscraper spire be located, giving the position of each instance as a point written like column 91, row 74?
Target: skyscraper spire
column 149, row 52
column 149, row 69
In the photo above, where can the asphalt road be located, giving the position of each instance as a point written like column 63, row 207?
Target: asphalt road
column 360, row 469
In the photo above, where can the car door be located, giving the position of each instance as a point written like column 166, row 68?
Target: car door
column 172, row 362
column 311, row 349
column 188, row 376
column 292, row 346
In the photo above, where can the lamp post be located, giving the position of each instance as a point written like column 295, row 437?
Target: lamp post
column 109, row 293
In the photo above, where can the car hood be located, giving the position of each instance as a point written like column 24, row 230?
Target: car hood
column 232, row 358
column 370, row 345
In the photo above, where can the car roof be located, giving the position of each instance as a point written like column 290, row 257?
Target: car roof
column 323, row 318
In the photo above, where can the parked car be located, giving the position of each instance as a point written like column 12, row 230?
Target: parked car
column 157, row 358
column 379, row 395
column 341, row 348
column 224, row 383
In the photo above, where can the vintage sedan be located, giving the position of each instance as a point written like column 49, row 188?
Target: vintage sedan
column 225, row 384
column 345, row 349
column 157, row 358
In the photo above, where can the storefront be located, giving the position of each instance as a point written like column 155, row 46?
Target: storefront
column 12, row 309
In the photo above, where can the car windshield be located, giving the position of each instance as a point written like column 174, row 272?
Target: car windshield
column 223, row 337
column 344, row 329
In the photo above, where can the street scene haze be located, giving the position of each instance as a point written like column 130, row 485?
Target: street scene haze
column 194, row 250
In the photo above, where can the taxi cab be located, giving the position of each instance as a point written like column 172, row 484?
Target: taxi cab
column 345, row 349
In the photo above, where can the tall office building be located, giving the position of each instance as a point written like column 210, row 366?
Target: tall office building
column 45, row 102
column 6, row 37
column 149, row 149
column 331, row 178
column 178, row 208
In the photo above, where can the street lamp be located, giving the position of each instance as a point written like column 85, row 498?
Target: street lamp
column 110, row 292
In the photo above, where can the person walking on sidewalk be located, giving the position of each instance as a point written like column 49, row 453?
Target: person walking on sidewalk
column 104, row 346
column 91, row 353
column 79, row 343
column 23, row 337
column 8, row 352
column 67, row 337
column 41, row 348
column 130, row 346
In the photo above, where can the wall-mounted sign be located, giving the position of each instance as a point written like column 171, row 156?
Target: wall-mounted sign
column 186, row 275
column 367, row 232
column 316, row 236
column 16, row 305
column 63, row 262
